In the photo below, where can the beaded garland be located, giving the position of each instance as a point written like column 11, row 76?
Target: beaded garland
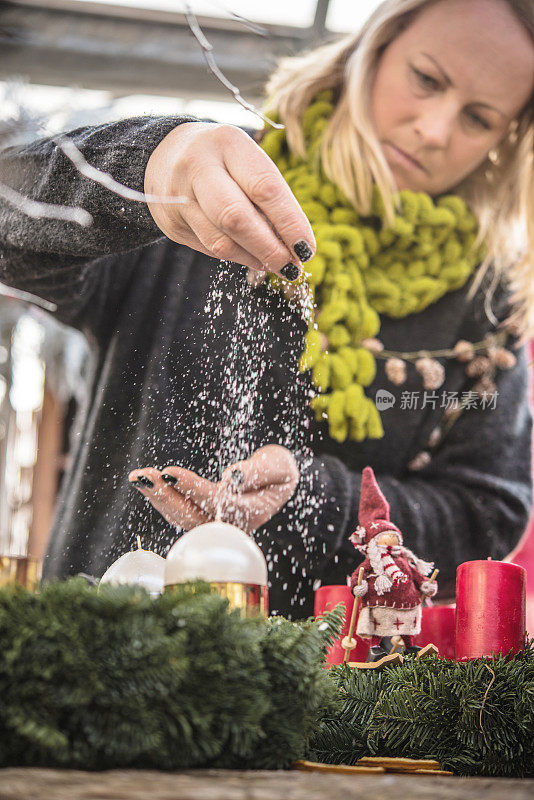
column 365, row 267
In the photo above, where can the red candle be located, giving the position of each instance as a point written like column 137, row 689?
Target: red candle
column 327, row 598
column 490, row 609
column 437, row 627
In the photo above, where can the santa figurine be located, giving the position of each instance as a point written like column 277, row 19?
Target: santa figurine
column 394, row 580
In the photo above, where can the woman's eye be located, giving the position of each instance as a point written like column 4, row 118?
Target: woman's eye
column 426, row 81
column 477, row 121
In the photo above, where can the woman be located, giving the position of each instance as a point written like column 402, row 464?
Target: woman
column 432, row 97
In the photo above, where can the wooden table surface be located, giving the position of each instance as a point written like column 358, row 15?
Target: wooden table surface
column 49, row 784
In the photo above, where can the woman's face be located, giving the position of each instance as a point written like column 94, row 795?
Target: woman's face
column 447, row 89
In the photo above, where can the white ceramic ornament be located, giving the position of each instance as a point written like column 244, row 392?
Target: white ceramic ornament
column 224, row 556
column 139, row 567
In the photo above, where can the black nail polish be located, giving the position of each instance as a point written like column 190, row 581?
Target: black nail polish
column 290, row 272
column 169, row 478
column 237, row 477
column 142, row 480
column 303, row 250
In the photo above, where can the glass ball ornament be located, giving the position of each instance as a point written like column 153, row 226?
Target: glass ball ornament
column 138, row 567
column 225, row 557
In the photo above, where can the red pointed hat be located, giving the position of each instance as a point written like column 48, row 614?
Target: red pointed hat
column 373, row 515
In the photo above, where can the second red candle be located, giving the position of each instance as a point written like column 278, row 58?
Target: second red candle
column 490, row 609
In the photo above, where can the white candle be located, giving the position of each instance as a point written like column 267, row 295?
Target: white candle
column 139, row 567
column 218, row 553
column 229, row 560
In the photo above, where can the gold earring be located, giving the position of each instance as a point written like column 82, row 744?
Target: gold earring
column 494, row 156
column 513, row 131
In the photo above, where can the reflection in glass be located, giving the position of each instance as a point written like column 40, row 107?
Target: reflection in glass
column 22, row 370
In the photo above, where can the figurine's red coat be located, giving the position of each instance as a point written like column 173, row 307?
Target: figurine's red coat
column 401, row 595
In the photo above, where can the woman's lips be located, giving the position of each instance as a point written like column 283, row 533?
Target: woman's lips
column 404, row 159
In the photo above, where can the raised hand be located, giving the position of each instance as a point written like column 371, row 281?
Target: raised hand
column 239, row 207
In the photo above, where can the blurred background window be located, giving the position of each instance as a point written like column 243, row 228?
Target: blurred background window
column 86, row 61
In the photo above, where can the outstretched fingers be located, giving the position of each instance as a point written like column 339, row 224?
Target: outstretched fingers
column 176, row 509
column 202, row 492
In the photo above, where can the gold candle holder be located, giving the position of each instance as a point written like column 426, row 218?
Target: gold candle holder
column 250, row 598
column 22, row 570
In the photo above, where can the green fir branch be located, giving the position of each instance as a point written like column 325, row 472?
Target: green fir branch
column 475, row 717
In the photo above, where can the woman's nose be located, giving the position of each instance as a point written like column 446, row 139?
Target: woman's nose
column 435, row 126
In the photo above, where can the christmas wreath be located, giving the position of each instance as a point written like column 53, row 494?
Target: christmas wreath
column 115, row 678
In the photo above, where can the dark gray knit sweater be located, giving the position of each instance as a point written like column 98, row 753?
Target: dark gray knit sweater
column 141, row 301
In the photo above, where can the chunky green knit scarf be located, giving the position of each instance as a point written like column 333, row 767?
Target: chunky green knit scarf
column 363, row 268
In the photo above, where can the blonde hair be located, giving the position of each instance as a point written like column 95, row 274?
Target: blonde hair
column 500, row 192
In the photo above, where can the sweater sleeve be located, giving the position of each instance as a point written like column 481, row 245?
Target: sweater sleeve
column 472, row 501
column 50, row 257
